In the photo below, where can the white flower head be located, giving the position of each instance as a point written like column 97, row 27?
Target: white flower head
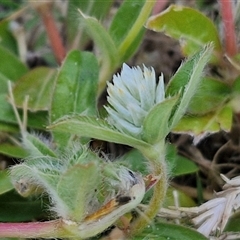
column 212, row 217
column 132, row 95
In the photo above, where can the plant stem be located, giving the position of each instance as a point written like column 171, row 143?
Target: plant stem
column 49, row 229
column 44, row 10
column 159, row 6
column 139, row 23
column 228, row 27
column 159, row 169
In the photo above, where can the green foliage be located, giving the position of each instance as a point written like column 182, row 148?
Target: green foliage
column 13, row 151
column 186, row 24
column 35, row 120
column 76, row 86
column 211, row 122
column 64, row 102
column 36, row 147
column 156, row 120
column 78, row 176
column 95, row 128
column 179, row 165
column 38, row 85
column 213, row 92
column 103, row 40
column 191, row 73
column 152, row 132
column 233, row 224
column 8, row 61
column 164, row 231
column 184, row 199
column 7, row 39
column 15, row 208
column 78, row 183
column 5, row 182
column 121, row 41
column 76, row 32
column 75, row 89
column 209, row 109
column 64, row 179
column 127, row 29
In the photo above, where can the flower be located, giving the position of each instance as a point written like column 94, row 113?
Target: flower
column 132, row 95
column 210, row 216
column 213, row 216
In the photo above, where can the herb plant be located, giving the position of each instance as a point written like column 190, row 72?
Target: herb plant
column 88, row 195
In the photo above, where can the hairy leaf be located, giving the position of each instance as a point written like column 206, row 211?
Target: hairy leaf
column 95, row 128
column 187, row 79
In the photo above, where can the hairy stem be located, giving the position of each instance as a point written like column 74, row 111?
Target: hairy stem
column 49, row 229
column 159, row 169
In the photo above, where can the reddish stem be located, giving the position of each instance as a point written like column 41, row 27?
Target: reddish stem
column 52, row 32
column 228, row 27
column 49, row 229
column 159, row 6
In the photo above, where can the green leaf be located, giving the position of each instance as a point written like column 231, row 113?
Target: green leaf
column 211, row 122
column 183, row 166
column 179, row 165
column 75, row 90
column 95, row 128
column 188, row 77
column 4, row 84
column 127, row 26
column 6, row 113
column 76, row 34
column 7, row 39
column 36, row 120
column 18, row 209
column 102, row 39
column 39, row 173
column 13, row 151
column 183, row 199
column 233, row 223
column 167, row 231
column 7, row 127
column 155, row 125
column 135, row 161
column 236, row 86
column 210, row 94
column 37, row 147
column 11, row 7
column 38, row 85
column 77, row 187
column 109, row 54
column 186, row 24
column 11, row 67
column 5, row 182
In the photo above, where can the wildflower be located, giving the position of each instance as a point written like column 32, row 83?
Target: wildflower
column 210, row 216
column 132, row 95
column 213, row 216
